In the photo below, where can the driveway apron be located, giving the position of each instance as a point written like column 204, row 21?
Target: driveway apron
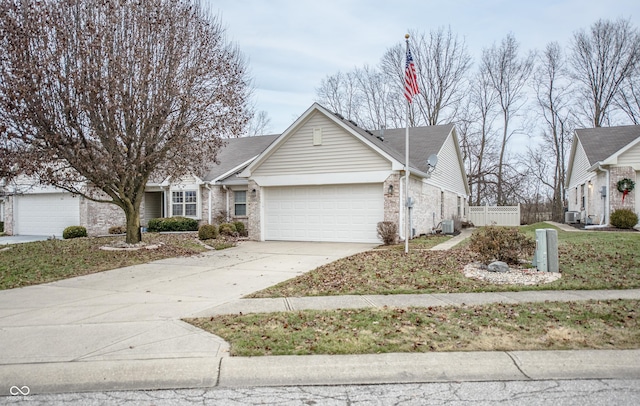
column 133, row 314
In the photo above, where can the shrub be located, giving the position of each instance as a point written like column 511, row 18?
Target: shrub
column 623, row 218
column 208, row 232
column 117, row 230
column 74, row 232
column 506, row 244
column 1, row 226
column 388, row 232
column 172, row 224
column 227, row 229
column 240, row 228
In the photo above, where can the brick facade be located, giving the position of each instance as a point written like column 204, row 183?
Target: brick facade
column 253, row 210
column 8, row 215
column 616, row 174
column 97, row 218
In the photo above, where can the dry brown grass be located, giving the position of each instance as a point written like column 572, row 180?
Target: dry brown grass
column 495, row 327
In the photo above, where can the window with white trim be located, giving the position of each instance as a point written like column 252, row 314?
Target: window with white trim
column 240, row 203
column 184, row 203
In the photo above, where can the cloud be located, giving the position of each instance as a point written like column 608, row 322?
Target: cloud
column 293, row 44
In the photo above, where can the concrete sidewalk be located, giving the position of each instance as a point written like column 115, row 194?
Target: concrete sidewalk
column 418, row 300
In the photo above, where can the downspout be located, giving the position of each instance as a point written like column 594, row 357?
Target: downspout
column 208, row 186
column 226, row 192
column 607, row 200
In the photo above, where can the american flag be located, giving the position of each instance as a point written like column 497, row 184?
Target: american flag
column 410, row 78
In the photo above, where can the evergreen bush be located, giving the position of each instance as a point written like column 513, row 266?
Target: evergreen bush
column 623, row 218
column 172, row 224
column 240, row 228
column 74, row 232
column 208, row 232
column 227, row 229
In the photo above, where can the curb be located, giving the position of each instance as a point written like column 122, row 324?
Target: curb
column 428, row 367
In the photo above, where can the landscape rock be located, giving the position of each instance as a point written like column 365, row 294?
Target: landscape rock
column 498, row 266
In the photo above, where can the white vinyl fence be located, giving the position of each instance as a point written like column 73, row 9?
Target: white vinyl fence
column 494, row 215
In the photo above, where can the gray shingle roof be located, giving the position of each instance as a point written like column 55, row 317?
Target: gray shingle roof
column 603, row 142
column 423, row 141
column 238, row 151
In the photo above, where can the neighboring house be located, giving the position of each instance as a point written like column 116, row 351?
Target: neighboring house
column 323, row 179
column 599, row 159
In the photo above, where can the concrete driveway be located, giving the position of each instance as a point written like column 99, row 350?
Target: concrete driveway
column 17, row 239
column 123, row 328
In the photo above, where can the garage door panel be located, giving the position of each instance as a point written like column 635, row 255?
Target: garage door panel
column 46, row 213
column 324, row 213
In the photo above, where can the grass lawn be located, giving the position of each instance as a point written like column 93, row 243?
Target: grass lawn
column 588, row 260
column 496, row 327
column 46, row 261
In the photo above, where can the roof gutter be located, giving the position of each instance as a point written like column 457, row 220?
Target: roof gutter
column 607, row 200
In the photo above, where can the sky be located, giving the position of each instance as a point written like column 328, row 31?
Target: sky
column 291, row 45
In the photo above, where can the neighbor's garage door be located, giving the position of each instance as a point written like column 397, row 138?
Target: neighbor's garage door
column 343, row 213
column 46, row 213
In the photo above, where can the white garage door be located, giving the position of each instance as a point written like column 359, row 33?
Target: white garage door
column 343, row 213
column 46, row 213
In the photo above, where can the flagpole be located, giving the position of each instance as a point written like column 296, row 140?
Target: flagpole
column 407, row 173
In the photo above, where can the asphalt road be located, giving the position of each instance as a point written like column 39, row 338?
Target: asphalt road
column 528, row 393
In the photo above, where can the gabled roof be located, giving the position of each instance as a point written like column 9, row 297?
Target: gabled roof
column 236, row 155
column 423, row 141
column 602, row 143
column 240, row 153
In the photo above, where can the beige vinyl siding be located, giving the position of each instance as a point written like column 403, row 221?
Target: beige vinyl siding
column 447, row 174
column 630, row 157
column 339, row 151
column 579, row 172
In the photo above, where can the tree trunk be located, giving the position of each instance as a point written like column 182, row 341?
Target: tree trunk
column 132, row 214
column 500, row 200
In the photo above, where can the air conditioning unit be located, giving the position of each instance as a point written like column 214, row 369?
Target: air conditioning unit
column 447, row 226
column 572, row 217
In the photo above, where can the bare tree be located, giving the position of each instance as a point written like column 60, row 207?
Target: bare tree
column 553, row 95
column 374, row 97
column 478, row 145
column 443, row 62
column 602, row 58
column 260, row 124
column 628, row 97
column 104, row 93
column 509, row 75
column 339, row 93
